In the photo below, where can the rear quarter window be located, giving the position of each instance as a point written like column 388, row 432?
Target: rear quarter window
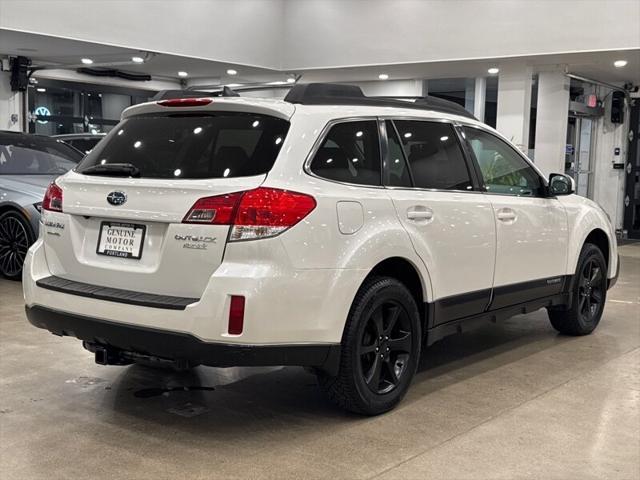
column 350, row 153
column 193, row 146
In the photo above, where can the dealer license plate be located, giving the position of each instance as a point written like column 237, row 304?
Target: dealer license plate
column 124, row 240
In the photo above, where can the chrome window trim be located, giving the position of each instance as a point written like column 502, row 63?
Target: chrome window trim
column 381, row 118
column 453, row 125
column 526, row 159
column 322, row 137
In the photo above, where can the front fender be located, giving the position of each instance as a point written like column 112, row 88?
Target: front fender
column 584, row 216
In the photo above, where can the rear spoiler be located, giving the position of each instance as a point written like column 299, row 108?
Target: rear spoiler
column 175, row 94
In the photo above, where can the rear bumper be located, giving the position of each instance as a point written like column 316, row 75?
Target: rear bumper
column 180, row 347
column 283, row 306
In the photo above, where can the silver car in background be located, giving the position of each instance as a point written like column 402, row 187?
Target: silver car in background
column 28, row 164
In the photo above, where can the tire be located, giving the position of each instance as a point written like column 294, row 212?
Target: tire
column 589, row 295
column 16, row 237
column 380, row 349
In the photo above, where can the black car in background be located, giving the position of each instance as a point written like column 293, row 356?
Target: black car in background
column 82, row 141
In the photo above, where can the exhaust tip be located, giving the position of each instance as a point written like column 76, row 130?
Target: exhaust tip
column 101, row 356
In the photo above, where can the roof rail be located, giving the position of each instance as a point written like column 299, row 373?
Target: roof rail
column 340, row 94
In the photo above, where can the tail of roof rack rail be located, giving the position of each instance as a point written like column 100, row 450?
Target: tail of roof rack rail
column 339, row 94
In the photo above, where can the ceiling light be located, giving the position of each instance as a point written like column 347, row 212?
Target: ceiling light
column 383, row 76
column 232, row 85
column 182, row 74
column 493, row 70
column 197, row 130
column 86, row 61
column 620, row 63
column 41, row 90
column 231, row 71
column 137, row 59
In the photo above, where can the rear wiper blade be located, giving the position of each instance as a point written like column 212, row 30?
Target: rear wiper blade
column 114, row 169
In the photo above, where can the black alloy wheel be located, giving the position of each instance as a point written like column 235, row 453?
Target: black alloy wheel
column 380, row 349
column 588, row 295
column 590, row 290
column 15, row 239
column 385, row 347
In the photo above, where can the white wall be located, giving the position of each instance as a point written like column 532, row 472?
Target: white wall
column 297, row 34
column 9, row 104
column 332, row 33
column 245, row 32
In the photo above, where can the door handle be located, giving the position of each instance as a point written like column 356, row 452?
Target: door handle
column 419, row 213
column 506, row 215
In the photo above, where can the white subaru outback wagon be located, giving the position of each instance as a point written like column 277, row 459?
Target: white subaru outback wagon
column 330, row 230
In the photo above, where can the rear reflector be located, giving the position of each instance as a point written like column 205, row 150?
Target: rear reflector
column 185, row 102
column 236, row 315
column 253, row 214
column 52, row 198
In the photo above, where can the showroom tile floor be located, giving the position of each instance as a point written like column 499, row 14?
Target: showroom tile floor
column 509, row 401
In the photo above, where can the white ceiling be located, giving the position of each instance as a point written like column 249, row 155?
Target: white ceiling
column 66, row 53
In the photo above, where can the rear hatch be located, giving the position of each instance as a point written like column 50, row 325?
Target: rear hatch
column 125, row 206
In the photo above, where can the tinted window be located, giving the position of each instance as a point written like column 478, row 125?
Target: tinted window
column 31, row 155
column 193, row 146
column 85, row 145
column 434, row 155
column 503, row 169
column 396, row 170
column 350, row 153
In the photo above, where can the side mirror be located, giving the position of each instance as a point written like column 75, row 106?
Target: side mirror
column 561, row 184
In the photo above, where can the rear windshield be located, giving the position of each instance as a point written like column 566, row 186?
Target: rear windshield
column 32, row 155
column 222, row 145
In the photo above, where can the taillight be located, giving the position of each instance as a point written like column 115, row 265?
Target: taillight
column 185, row 102
column 217, row 210
column 253, row 214
column 52, row 198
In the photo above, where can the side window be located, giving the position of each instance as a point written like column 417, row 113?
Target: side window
column 434, row 155
column 503, row 169
column 396, row 170
column 350, row 153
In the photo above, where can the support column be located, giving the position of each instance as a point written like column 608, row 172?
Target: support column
column 469, row 90
column 10, row 105
column 480, row 98
column 551, row 121
column 514, row 104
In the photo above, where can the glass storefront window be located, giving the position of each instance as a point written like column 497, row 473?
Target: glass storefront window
column 58, row 107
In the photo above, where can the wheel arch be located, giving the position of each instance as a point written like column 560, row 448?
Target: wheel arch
column 406, row 272
column 600, row 239
column 28, row 217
